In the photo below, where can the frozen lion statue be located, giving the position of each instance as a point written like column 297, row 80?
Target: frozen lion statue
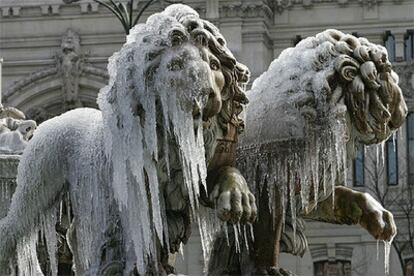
column 135, row 171
column 307, row 113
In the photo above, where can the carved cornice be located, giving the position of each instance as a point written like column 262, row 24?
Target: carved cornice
column 12, row 8
column 246, row 11
column 280, row 5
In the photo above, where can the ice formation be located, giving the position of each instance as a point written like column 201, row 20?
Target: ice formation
column 115, row 164
column 307, row 114
column 164, row 114
column 291, row 133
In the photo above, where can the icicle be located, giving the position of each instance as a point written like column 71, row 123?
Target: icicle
column 324, row 178
column 226, row 233
column 246, row 241
column 377, row 148
column 208, row 225
column 333, row 197
column 251, row 231
column 394, row 140
column 387, row 251
column 61, row 204
column 49, row 232
column 236, row 238
column 378, row 250
column 181, row 250
column 27, row 261
column 332, row 170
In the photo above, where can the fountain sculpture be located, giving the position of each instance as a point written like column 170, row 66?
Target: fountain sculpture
column 162, row 148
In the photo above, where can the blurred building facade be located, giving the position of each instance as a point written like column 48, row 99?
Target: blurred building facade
column 55, row 58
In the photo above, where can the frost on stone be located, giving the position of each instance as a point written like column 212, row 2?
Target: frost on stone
column 292, row 140
column 122, row 155
column 209, row 225
column 148, row 110
column 309, row 111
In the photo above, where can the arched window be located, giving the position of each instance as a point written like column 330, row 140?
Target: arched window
column 337, row 267
column 358, row 176
column 409, row 45
column 389, row 43
column 392, row 161
column 410, row 147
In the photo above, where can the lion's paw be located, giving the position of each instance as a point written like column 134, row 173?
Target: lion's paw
column 233, row 199
column 376, row 220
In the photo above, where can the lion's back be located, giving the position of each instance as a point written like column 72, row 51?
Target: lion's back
column 57, row 144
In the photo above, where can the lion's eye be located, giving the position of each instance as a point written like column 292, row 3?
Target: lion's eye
column 214, row 65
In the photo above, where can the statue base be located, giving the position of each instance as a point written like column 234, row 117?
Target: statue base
column 8, row 173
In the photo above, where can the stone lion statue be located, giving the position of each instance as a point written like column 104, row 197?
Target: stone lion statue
column 307, row 114
column 136, row 172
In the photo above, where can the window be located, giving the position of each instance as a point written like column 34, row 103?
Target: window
column 389, row 43
column 392, row 161
column 297, row 39
column 409, row 45
column 338, row 267
column 410, row 147
column 359, row 168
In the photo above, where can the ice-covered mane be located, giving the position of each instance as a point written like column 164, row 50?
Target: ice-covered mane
column 327, row 93
column 332, row 69
column 156, row 80
column 236, row 74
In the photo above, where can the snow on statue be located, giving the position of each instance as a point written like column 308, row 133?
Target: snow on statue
column 307, row 113
column 136, row 171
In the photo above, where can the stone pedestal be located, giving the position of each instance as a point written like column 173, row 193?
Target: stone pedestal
column 8, row 173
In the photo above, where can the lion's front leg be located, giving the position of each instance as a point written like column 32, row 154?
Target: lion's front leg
column 353, row 207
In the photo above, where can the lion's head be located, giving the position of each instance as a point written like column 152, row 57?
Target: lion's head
column 369, row 86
